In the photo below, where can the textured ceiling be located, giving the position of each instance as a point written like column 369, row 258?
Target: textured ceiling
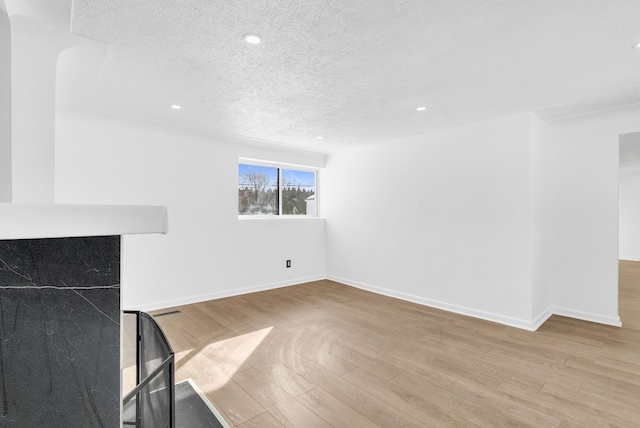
column 352, row 71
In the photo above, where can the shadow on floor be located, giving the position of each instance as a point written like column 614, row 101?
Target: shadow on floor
column 193, row 410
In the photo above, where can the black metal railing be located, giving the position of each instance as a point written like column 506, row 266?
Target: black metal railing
column 152, row 402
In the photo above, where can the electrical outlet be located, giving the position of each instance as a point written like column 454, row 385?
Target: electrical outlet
column 288, row 263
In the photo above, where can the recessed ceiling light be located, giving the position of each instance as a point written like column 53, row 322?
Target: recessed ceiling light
column 252, row 39
column 421, row 108
column 176, row 106
column 636, row 45
column 319, row 137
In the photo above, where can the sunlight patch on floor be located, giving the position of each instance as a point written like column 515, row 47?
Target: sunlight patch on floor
column 229, row 355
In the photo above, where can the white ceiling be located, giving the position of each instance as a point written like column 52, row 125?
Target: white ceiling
column 352, row 71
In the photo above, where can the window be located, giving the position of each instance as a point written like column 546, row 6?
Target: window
column 265, row 189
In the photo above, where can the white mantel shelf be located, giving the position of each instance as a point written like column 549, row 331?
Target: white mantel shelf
column 32, row 221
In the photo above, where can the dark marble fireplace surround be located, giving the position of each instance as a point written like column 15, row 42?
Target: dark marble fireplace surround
column 60, row 332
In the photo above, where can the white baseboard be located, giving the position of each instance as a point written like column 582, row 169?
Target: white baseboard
column 530, row 325
column 488, row 316
column 629, row 258
column 541, row 318
column 222, row 294
column 587, row 316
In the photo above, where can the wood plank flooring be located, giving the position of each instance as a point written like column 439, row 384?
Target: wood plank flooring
column 327, row 355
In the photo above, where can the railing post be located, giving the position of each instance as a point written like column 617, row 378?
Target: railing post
column 172, row 392
column 138, row 369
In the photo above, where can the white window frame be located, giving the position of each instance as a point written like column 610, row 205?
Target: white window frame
column 281, row 166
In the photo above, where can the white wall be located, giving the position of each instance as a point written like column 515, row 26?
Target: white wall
column 510, row 220
column 507, row 220
column 39, row 32
column 629, row 226
column 541, row 186
column 5, row 105
column 444, row 219
column 208, row 252
column 629, row 197
column 584, row 212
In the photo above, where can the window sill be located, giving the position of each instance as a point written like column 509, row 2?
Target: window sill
column 279, row 217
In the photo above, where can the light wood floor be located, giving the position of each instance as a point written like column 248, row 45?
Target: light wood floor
column 327, row 355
